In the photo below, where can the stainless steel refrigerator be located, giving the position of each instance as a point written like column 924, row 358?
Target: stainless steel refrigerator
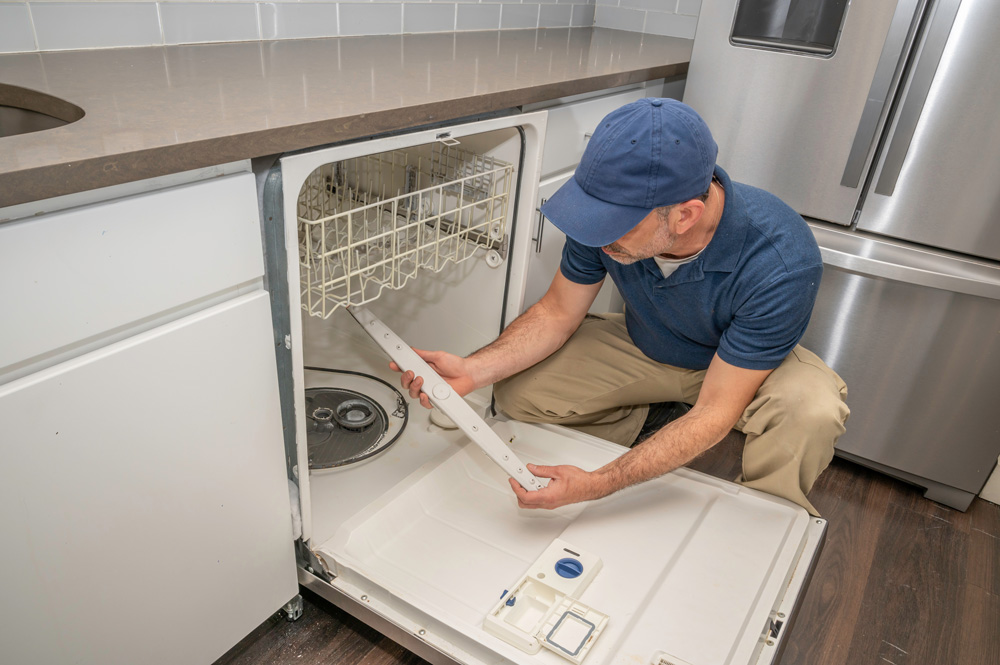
column 880, row 123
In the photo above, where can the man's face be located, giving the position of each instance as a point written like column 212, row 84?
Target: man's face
column 650, row 237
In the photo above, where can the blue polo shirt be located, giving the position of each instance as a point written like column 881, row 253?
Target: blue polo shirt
column 747, row 297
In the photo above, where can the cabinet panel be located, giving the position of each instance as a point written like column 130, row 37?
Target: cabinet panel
column 547, row 245
column 78, row 274
column 570, row 125
column 143, row 496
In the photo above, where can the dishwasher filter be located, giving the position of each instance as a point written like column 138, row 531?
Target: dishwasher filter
column 346, row 425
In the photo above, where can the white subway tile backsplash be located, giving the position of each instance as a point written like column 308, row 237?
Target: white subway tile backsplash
column 555, row 16
column 583, row 16
column 371, row 19
column 76, row 25
column 73, row 24
column 16, row 33
column 671, row 25
column 198, row 22
column 519, row 16
column 689, row 7
column 619, row 18
column 435, row 17
column 298, row 20
column 478, row 17
column 654, row 5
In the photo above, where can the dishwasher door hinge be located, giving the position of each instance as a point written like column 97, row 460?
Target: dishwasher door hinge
column 773, row 629
column 312, row 563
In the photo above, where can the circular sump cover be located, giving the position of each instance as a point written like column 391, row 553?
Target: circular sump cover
column 343, row 427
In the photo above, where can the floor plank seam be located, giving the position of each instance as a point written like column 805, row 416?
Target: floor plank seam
column 994, row 537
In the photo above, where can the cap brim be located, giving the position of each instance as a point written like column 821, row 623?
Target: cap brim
column 588, row 220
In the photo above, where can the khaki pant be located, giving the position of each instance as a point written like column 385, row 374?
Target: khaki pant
column 600, row 383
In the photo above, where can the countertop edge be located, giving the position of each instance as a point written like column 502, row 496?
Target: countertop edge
column 39, row 183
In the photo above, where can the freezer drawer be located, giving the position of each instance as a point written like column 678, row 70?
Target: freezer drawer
column 914, row 335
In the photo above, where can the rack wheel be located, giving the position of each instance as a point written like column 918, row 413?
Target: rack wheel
column 293, row 608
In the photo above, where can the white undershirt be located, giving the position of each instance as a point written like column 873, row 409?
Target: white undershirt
column 668, row 266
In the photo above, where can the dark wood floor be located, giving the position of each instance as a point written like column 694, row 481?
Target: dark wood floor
column 901, row 580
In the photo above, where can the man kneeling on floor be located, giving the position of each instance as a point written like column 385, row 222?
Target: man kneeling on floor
column 719, row 281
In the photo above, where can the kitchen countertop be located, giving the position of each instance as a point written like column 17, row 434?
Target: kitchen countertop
column 160, row 110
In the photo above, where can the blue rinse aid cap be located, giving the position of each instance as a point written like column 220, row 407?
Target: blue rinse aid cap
column 569, row 567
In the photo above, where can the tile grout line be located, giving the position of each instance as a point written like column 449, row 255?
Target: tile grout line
column 159, row 23
column 34, row 30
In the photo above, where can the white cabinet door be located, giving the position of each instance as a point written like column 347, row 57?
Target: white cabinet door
column 90, row 271
column 143, row 498
column 570, row 127
column 546, row 253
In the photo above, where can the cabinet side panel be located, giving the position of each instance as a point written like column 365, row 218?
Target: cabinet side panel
column 143, row 497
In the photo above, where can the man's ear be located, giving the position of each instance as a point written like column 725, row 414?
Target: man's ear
column 688, row 215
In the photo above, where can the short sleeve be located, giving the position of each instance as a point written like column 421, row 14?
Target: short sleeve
column 769, row 324
column 581, row 264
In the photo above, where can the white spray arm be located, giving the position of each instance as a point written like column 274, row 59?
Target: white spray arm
column 444, row 397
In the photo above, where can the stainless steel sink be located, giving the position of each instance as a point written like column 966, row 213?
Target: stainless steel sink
column 23, row 111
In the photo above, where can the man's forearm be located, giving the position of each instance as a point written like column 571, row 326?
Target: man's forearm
column 672, row 447
column 532, row 337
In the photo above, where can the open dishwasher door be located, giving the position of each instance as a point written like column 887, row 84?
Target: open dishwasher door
column 695, row 570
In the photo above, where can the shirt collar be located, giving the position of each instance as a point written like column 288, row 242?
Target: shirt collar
column 723, row 250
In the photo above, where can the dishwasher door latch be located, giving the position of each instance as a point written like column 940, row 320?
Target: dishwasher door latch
column 447, row 139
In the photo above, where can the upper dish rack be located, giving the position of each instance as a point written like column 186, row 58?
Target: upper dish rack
column 369, row 223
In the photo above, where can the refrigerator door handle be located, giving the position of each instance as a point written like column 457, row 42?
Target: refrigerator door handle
column 897, row 42
column 900, row 272
column 925, row 66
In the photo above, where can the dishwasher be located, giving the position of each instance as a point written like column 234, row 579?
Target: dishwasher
column 400, row 518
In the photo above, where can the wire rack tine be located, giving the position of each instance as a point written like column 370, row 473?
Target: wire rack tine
column 371, row 223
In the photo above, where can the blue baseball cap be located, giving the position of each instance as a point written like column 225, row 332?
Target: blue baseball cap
column 644, row 155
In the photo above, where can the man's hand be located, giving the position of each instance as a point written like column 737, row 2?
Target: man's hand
column 568, row 484
column 453, row 369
